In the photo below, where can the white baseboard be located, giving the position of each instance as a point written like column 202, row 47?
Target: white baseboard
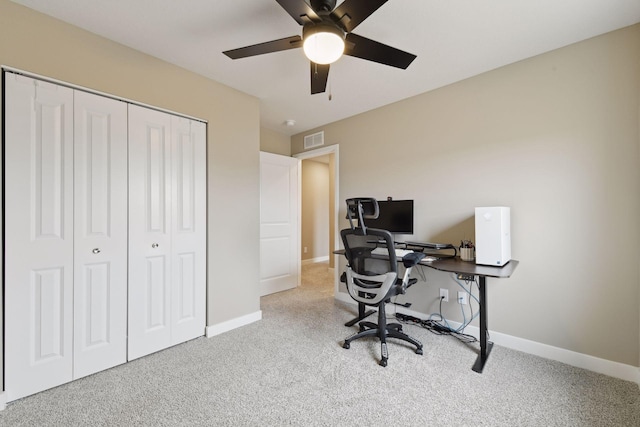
column 579, row 360
column 274, row 286
column 220, row 328
column 314, row 260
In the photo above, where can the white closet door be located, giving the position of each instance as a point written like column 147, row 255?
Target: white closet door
column 189, row 234
column 100, row 234
column 38, row 235
column 149, row 231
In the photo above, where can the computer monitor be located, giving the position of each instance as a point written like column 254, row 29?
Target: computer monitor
column 395, row 216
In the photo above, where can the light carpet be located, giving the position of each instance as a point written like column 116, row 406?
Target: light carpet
column 290, row 369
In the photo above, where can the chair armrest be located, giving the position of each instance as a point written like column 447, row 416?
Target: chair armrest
column 410, row 260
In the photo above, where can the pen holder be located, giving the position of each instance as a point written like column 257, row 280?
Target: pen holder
column 466, row 254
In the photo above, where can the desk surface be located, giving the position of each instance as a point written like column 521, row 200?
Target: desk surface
column 456, row 265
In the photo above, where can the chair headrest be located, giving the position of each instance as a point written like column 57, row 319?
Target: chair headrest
column 361, row 208
column 369, row 206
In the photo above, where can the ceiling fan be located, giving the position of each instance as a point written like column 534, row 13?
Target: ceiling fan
column 326, row 36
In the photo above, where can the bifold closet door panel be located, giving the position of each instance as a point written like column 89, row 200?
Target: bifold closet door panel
column 100, row 233
column 38, row 235
column 189, row 234
column 149, row 231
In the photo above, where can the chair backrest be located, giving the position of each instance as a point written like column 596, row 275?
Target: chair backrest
column 359, row 247
column 370, row 277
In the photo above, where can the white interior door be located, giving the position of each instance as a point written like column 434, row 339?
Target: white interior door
column 279, row 223
column 100, row 233
column 38, row 235
column 189, row 229
column 149, row 231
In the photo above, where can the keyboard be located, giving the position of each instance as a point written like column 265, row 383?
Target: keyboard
column 383, row 251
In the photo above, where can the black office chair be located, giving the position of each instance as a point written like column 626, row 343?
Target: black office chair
column 372, row 273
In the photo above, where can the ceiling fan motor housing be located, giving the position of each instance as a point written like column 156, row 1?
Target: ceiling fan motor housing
column 323, row 5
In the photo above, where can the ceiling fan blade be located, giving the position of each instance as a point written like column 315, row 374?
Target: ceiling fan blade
column 362, row 47
column 319, row 76
column 352, row 12
column 299, row 10
column 266, row 47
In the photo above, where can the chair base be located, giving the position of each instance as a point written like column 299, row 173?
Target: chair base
column 391, row 330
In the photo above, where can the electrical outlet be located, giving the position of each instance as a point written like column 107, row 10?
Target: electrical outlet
column 305, row 250
column 444, row 294
column 462, row 298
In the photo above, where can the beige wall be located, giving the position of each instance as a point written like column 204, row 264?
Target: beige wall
column 556, row 138
column 315, row 209
column 39, row 44
column 274, row 142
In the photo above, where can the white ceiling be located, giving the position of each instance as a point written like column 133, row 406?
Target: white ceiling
column 453, row 39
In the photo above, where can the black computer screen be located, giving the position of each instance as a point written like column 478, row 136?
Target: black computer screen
column 396, row 216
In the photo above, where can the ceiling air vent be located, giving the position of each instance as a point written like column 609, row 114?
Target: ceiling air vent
column 314, row 140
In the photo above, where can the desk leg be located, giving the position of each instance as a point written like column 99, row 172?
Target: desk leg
column 485, row 346
column 362, row 314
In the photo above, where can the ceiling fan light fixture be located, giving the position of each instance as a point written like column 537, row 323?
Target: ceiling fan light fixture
column 323, row 43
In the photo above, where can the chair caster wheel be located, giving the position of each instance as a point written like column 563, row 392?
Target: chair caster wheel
column 362, row 328
column 383, row 363
column 419, row 351
column 346, row 345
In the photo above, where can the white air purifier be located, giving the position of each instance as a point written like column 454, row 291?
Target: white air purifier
column 493, row 236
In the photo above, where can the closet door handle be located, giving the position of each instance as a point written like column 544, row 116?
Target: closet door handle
column 96, row 251
column 154, row 245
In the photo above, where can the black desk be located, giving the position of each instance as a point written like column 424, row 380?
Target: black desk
column 457, row 266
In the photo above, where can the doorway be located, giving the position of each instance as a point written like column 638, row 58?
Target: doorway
column 326, row 215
